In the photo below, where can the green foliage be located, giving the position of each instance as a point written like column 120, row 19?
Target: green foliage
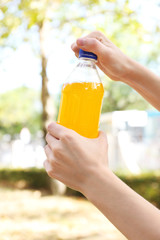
column 34, row 11
column 119, row 96
column 115, row 18
column 147, row 185
column 9, row 21
column 30, row 178
column 118, row 21
column 18, row 109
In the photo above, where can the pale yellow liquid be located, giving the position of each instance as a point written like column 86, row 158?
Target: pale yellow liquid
column 80, row 107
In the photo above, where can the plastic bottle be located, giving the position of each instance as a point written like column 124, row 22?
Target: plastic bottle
column 81, row 97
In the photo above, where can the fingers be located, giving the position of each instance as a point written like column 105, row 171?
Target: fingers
column 48, row 153
column 52, row 141
column 91, row 45
column 47, row 165
column 75, row 49
column 88, row 44
column 93, row 42
column 56, row 130
column 49, row 168
column 59, row 132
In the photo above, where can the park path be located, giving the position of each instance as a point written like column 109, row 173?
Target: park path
column 29, row 215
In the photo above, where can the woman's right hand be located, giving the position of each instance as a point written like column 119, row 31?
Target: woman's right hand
column 119, row 67
column 114, row 63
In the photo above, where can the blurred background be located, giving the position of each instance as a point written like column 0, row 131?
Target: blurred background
column 35, row 60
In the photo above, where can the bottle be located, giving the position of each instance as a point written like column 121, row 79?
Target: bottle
column 81, row 97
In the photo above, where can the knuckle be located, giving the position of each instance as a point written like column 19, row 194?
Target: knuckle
column 51, row 173
column 50, row 158
column 52, row 145
column 46, row 137
column 73, row 46
column 94, row 43
column 67, row 137
column 57, row 152
column 50, row 126
column 97, row 32
column 56, row 165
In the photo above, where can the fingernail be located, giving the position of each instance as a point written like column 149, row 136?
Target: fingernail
column 81, row 42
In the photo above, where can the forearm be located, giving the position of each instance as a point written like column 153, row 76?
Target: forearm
column 144, row 82
column 117, row 66
column 130, row 213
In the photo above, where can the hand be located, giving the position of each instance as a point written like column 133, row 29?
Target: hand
column 81, row 164
column 73, row 159
column 111, row 60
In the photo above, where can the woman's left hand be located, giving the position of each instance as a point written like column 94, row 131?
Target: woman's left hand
column 75, row 160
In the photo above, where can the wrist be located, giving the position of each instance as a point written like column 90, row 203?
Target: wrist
column 129, row 71
column 96, row 182
column 134, row 74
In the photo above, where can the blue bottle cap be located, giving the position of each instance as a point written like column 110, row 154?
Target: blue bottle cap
column 85, row 54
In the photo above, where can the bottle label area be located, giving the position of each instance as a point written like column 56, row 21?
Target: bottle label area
column 80, row 107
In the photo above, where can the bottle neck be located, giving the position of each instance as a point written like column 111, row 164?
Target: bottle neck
column 88, row 59
column 85, row 71
column 87, row 62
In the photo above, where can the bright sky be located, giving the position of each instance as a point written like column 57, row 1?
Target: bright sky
column 21, row 67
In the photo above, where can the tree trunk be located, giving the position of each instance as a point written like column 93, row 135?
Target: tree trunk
column 48, row 110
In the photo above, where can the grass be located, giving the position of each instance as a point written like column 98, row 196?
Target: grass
column 28, row 215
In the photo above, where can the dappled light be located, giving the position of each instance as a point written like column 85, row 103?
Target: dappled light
column 29, row 214
column 35, row 60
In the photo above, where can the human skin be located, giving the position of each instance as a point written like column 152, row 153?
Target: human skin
column 119, row 67
column 82, row 163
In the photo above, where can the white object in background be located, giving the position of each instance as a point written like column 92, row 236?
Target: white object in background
column 25, row 136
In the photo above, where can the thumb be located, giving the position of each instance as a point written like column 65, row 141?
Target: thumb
column 90, row 45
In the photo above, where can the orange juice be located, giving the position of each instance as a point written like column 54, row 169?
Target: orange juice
column 80, row 107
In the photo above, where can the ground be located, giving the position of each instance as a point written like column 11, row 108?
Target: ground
column 28, row 215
